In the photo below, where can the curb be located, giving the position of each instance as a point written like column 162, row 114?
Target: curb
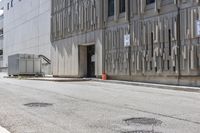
column 158, row 86
column 3, row 130
column 141, row 84
column 58, row 79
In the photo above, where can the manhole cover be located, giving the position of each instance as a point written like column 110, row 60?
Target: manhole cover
column 38, row 104
column 143, row 121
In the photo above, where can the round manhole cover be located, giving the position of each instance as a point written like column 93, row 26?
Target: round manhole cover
column 143, row 121
column 38, row 104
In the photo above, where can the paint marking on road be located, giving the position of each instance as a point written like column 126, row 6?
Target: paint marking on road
column 3, row 130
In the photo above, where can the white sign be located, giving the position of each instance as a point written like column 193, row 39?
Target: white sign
column 93, row 58
column 127, row 41
column 198, row 27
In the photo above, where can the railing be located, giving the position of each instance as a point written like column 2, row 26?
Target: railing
column 45, row 58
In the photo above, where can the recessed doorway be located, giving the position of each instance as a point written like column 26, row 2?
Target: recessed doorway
column 87, row 60
column 91, row 61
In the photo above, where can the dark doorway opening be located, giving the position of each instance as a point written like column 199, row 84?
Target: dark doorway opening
column 91, row 61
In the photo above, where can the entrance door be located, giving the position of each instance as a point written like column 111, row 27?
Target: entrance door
column 91, row 61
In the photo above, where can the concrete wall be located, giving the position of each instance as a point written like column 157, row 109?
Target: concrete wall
column 1, row 38
column 74, row 24
column 66, row 59
column 164, row 45
column 27, row 27
column 1, row 42
column 155, row 40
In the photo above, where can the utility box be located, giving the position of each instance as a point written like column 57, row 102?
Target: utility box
column 24, row 64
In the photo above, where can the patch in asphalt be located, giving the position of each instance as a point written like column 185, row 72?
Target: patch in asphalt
column 38, row 104
column 141, row 131
column 143, row 121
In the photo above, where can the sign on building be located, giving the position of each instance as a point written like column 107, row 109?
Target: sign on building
column 127, row 41
column 198, row 27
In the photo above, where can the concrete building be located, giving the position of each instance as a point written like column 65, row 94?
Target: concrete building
column 137, row 40
column 1, row 36
column 76, row 34
column 1, row 41
column 27, row 28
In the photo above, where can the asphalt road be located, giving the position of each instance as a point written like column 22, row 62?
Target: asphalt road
column 92, row 107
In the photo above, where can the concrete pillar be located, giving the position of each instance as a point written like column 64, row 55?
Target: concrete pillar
column 116, row 15
column 105, row 10
column 127, row 11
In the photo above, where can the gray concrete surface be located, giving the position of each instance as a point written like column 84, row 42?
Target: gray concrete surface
column 95, row 107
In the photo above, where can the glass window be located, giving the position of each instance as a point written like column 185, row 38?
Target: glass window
column 149, row 1
column 1, row 52
column 122, row 6
column 111, row 8
column 8, row 6
column 11, row 3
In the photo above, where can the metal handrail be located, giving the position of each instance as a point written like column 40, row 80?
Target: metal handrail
column 45, row 58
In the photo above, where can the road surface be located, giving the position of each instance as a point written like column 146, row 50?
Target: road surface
column 92, row 107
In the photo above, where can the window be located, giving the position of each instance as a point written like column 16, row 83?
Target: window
column 1, row 32
column 122, row 6
column 11, row 3
column 111, row 8
column 1, row 52
column 8, row 6
column 149, row 1
column 152, row 47
column 170, row 43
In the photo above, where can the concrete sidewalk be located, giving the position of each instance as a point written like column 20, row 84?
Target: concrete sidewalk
column 58, row 79
column 152, row 85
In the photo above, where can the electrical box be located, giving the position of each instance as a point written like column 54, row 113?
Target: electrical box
column 24, row 64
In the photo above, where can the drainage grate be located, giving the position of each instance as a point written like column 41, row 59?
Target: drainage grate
column 38, row 104
column 143, row 121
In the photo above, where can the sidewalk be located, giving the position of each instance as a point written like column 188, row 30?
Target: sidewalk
column 58, row 79
column 152, row 85
column 3, row 74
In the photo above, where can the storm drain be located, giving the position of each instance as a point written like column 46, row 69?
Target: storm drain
column 38, row 104
column 143, row 121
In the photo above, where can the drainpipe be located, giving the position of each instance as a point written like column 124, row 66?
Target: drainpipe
column 178, row 42
column 129, row 24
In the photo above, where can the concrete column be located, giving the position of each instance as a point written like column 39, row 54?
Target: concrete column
column 116, row 15
column 143, row 5
column 105, row 9
column 100, row 10
column 127, row 11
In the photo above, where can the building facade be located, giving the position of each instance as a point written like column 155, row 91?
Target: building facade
column 1, row 36
column 76, row 34
column 163, row 35
column 1, row 42
column 27, row 29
